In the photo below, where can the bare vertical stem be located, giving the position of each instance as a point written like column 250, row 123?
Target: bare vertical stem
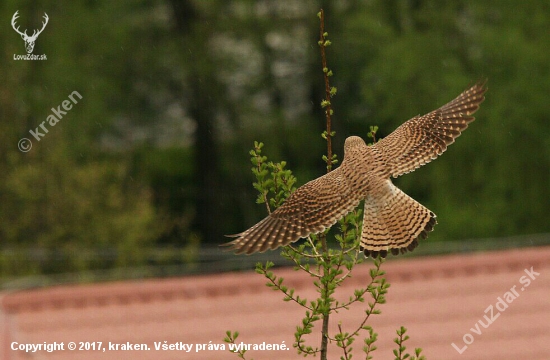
column 328, row 108
column 328, row 111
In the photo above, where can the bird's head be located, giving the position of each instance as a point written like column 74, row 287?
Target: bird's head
column 353, row 143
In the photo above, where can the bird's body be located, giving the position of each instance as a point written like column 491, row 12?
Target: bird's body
column 392, row 221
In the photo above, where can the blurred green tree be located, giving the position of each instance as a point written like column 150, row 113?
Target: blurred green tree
column 174, row 93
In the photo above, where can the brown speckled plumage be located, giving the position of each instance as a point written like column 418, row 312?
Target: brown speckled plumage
column 392, row 221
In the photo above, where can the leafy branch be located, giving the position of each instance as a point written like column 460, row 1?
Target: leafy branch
column 400, row 353
column 270, row 178
column 231, row 338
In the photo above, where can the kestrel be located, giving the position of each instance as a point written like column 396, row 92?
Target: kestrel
column 392, row 221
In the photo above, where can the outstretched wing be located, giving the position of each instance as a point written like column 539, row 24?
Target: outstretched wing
column 311, row 209
column 423, row 138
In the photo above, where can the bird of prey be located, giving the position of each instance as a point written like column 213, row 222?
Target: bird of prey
column 392, row 221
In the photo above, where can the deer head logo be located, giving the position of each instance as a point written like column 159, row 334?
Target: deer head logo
column 29, row 40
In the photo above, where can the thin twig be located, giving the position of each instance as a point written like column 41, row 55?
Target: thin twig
column 266, row 200
column 312, row 256
column 376, row 299
column 314, row 249
column 344, row 346
column 297, row 262
column 289, row 296
column 328, row 109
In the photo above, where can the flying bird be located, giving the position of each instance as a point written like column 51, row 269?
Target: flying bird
column 392, row 220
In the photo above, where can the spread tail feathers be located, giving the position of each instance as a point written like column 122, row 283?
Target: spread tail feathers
column 394, row 224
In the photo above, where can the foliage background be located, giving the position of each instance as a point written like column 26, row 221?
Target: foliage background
column 153, row 161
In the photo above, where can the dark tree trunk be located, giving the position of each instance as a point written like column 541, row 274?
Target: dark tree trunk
column 202, row 104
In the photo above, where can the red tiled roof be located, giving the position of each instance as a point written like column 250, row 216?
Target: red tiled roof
column 439, row 299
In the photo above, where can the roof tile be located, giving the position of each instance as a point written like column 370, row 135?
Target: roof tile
column 439, row 299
